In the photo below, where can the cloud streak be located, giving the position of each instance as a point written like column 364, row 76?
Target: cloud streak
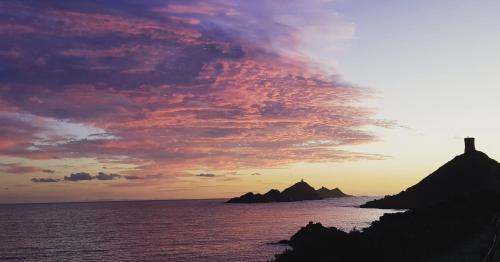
column 81, row 176
column 45, row 180
column 101, row 176
column 18, row 169
column 174, row 86
column 206, row 175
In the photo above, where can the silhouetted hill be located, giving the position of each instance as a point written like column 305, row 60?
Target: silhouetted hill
column 300, row 191
column 272, row 195
column 327, row 193
column 468, row 173
column 454, row 217
column 297, row 192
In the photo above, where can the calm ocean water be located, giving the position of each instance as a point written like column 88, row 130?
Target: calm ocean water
column 176, row 230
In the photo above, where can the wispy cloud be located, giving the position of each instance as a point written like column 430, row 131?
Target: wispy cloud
column 81, row 176
column 133, row 177
column 175, row 86
column 104, row 176
column 14, row 168
column 45, row 180
column 84, row 176
column 206, row 175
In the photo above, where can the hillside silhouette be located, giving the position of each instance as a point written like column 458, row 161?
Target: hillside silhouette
column 298, row 192
column 465, row 174
column 454, row 216
column 327, row 193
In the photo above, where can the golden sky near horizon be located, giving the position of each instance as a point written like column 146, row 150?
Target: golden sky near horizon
column 211, row 99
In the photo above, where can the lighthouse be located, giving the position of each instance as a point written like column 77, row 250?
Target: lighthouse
column 469, row 145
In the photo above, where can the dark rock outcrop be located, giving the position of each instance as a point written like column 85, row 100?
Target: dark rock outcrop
column 249, row 197
column 454, row 216
column 272, row 195
column 468, row 173
column 425, row 234
column 327, row 193
column 298, row 192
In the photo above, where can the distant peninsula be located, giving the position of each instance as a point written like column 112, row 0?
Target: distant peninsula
column 298, row 192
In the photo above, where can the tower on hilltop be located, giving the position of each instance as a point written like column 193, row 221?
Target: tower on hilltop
column 469, row 145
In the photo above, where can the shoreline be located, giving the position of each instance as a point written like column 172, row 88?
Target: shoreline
column 459, row 230
column 150, row 200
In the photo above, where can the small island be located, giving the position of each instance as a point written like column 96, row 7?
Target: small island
column 298, row 192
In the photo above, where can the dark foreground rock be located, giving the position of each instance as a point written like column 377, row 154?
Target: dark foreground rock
column 298, row 192
column 453, row 216
column 424, row 234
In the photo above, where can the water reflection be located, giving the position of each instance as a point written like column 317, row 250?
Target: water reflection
column 181, row 230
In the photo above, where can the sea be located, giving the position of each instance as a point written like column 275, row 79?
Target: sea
column 170, row 230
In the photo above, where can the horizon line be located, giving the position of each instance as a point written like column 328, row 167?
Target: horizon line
column 125, row 200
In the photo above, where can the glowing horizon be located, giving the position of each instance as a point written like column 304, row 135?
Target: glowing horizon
column 209, row 99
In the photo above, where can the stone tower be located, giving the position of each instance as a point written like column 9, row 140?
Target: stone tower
column 469, row 145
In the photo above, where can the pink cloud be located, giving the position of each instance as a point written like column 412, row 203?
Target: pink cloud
column 19, row 169
column 180, row 87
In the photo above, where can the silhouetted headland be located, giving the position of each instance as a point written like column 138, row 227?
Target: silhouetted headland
column 461, row 230
column 454, row 216
column 471, row 172
column 298, row 192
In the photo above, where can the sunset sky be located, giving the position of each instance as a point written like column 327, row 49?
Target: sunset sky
column 113, row 100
